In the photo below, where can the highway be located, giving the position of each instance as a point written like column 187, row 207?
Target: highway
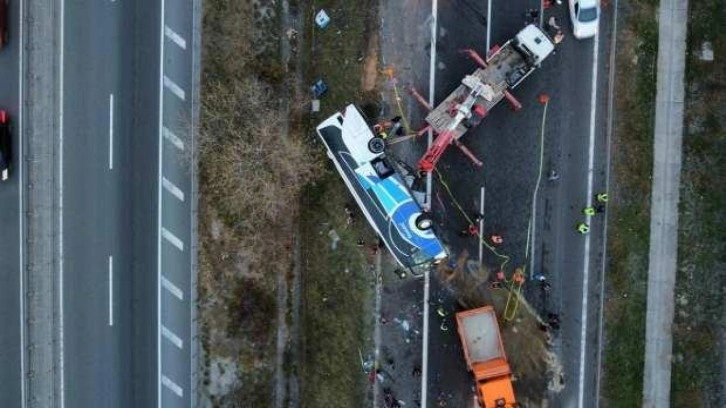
column 108, row 163
column 10, row 218
column 126, row 192
column 509, row 145
column 112, row 307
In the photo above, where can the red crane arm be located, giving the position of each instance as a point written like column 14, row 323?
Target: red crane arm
column 438, row 147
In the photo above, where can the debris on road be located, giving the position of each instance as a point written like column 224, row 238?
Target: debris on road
column 706, row 53
column 319, row 88
column 334, row 239
column 322, row 19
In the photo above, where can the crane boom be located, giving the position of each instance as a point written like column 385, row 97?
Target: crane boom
column 479, row 92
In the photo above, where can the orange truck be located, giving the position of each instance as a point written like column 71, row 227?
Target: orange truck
column 484, row 354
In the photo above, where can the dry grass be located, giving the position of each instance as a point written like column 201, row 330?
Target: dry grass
column 251, row 175
column 698, row 331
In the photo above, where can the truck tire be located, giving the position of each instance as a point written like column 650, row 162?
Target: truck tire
column 376, row 145
column 424, row 222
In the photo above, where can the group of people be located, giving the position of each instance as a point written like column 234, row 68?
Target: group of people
column 553, row 28
column 602, row 199
column 387, row 127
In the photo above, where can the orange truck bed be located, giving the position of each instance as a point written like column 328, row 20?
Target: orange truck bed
column 485, row 357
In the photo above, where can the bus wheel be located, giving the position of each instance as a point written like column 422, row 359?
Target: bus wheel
column 376, row 145
column 424, row 222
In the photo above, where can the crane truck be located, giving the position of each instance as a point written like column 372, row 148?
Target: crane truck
column 504, row 69
column 485, row 357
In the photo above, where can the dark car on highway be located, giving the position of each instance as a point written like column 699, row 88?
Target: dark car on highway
column 5, row 145
column 3, row 22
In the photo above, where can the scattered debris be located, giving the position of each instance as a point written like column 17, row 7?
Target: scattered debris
column 319, row 88
column 322, row 19
column 706, row 53
column 334, row 237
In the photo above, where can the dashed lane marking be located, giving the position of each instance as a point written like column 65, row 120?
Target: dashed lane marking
column 174, row 88
column 172, row 386
column 172, row 288
column 172, row 239
column 171, row 137
column 176, row 38
column 173, row 189
column 173, row 338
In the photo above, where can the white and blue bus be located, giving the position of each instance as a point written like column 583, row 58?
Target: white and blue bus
column 380, row 190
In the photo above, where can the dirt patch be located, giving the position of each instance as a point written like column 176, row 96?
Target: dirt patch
column 369, row 81
column 535, row 368
column 222, row 376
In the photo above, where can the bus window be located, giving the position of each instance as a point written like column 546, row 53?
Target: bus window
column 382, row 168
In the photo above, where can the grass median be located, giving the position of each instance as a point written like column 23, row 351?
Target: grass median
column 628, row 241
column 697, row 374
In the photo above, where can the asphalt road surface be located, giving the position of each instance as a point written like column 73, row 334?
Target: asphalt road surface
column 127, row 220
column 109, row 212
column 10, row 307
column 509, row 145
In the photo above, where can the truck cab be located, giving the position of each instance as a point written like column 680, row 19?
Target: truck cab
column 484, row 354
column 534, row 44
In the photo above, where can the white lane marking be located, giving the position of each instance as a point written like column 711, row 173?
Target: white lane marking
column 178, row 40
column 172, row 288
column 174, row 139
column 172, row 239
column 170, row 187
column 430, row 139
column 110, row 290
column 586, row 266
column 168, row 383
column 489, row 28
column 426, row 328
column 110, row 132
column 481, row 223
column 21, row 184
column 611, row 93
column 61, row 74
column 172, row 337
column 159, row 232
column 432, row 83
column 174, row 88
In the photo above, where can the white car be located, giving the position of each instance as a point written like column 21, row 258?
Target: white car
column 585, row 16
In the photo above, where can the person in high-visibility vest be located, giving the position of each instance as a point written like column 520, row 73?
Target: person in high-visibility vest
column 583, row 228
column 602, row 198
column 589, row 210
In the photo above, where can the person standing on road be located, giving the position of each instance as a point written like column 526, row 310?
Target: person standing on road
column 589, row 210
column 583, row 228
column 553, row 175
column 602, row 198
